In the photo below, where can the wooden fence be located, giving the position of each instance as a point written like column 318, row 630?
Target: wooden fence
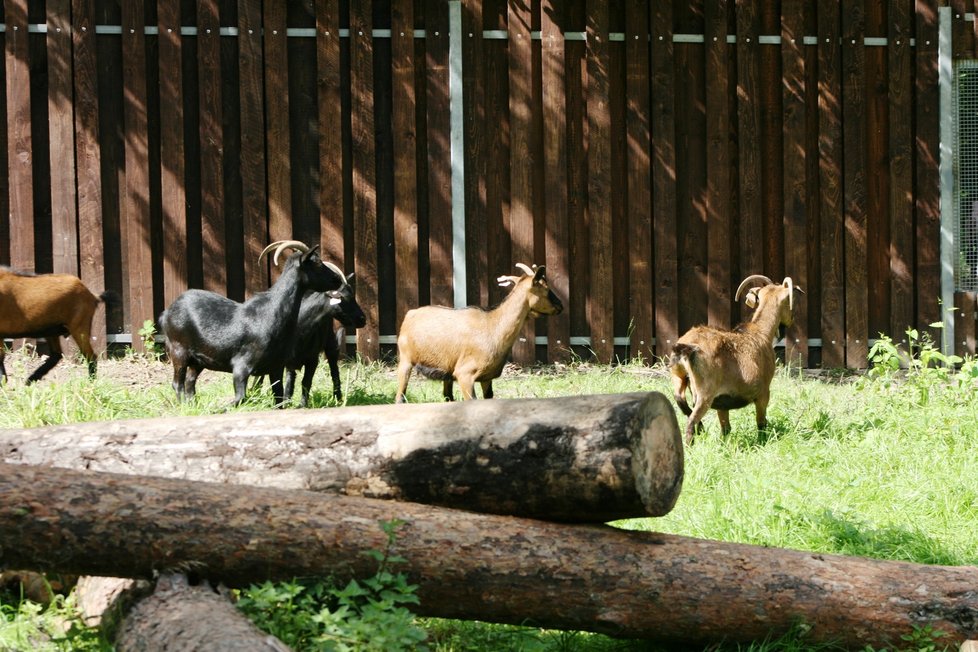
column 651, row 154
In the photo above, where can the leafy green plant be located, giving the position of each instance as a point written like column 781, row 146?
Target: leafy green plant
column 26, row 625
column 923, row 639
column 363, row 614
column 148, row 336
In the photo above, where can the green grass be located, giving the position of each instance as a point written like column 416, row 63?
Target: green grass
column 867, row 466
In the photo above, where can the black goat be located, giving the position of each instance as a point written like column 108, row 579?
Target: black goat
column 315, row 334
column 204, row 330
column 47, row 306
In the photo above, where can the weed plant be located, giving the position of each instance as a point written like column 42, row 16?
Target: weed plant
column 880, row 464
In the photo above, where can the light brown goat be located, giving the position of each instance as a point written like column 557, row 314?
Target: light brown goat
column 726, row 370
column 470, row 344
column 47, row 306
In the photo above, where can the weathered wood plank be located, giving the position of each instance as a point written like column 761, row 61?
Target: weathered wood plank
column 665, row 257
column 521, row 161
column 278, row 149
column 20, row 154
column 899, row 66
column 599, row 220
column 364, row 175
column 964, row 322
column 172, row 175
column 61, row 130
column 252, row 106
column 719, row 206
column 831, row 222
column 135, row 211
column 854, row 183
column 441, row 282
column 795, row 209
column 639, row 180
column 212, row 215
column 404, row 119
column 927, row 182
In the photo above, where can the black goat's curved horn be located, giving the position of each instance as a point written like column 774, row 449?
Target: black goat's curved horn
column 750, row 279
column 336, row 270
column 289, row 244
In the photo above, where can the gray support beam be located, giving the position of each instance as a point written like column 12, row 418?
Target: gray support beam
column 457, row 150
column 948, row 112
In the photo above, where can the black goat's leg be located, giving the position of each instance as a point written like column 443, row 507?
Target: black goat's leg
column 241, row 375
column 3, row 354
column 54, row 357
column 446, row 390
column 288, row 385
column 334, row 374
column 486, row 388
column 308, row 373
column 190, row 381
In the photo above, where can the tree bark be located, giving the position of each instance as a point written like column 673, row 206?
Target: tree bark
column 466, row 565
column 577, row 459
column 178, row 616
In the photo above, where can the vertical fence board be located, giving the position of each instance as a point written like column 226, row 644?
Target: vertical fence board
column 599, row 181
column 253, row 163
column 439, row 154
column 749, row 191
column 964, row 323
column 404, row 120
column 900, row 156
column 212, row 216
column 927, row 206
column 719, row 209
column 364, row 174
column 794, row 157
column 854, row 183
column 330, row 129
column 276, row 88
column 61, row 129
column 639, row 178
column 831, row 224
column 172, row 179
column 88, row 156
column 19, row 142
column 520, row 156
column 135, row 218
column 478, row 141
column 665, row 260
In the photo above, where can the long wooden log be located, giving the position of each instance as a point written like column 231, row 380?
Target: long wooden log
column 467, row 565
column 578, row 459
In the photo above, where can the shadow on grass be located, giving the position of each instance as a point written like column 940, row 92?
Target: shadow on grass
column 852, row 537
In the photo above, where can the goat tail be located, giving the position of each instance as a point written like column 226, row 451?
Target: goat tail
column 110, row 299
column 679, row 362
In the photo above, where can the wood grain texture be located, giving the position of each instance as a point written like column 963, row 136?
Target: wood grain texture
column 20, row 154
column 212, row 211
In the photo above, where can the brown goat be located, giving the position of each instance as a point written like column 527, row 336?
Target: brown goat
column 470, row 344
column 47, row 306
column 727, row 370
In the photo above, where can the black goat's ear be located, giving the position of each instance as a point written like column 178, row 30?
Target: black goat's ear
column 312, row 252
column 540, row 273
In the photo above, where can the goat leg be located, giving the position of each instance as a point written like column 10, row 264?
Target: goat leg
column 334, row 374
column 307, row 375
column 404, row 369
column 447, row 392
column 486, row 388
column 724, row 417
column 693, row 425
column 54, row 357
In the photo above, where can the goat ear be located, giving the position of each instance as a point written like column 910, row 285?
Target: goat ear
column 751, row 298
column 505, row 281
column 540, row 273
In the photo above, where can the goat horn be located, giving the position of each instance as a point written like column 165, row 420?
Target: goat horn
column 788, row 283
column 525, row 268
column 289, row 244
column 336, row 270
column 750, row 279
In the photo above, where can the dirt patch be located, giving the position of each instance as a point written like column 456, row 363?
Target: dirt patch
column 128, row 370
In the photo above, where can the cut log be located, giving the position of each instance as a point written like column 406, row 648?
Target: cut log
column 466, row 565
column 578, row 459
column 178, row 616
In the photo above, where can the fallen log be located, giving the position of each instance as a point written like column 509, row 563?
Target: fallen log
column 580, row 458
column 487, row 567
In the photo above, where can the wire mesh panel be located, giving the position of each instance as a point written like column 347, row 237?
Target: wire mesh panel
column 966, row 177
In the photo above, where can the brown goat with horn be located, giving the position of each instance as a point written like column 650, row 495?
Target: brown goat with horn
column 730, row 369
column 470, row 344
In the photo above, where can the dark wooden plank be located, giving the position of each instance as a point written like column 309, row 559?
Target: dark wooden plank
column 135, row 218
column 666, row 262
column 253, row 193
column 328, row 66
column 212, row 216
column 497, row 158
column 404, row 119
column 172, row 188
column 88, row 155
column 61, row 139
column 439, row 154
column 639, row 180
column 278, row 150
column 830, row 207
column 877, row 180
column 901, row 171
column 364, row 175
column 854, row 183
column 749, row 190
column 718, row 165
column 964, row 323
column 478, row 145
column 19, row 139
column 927, row 205
column 521, row 156
column 794, row 178
column 599, row 181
